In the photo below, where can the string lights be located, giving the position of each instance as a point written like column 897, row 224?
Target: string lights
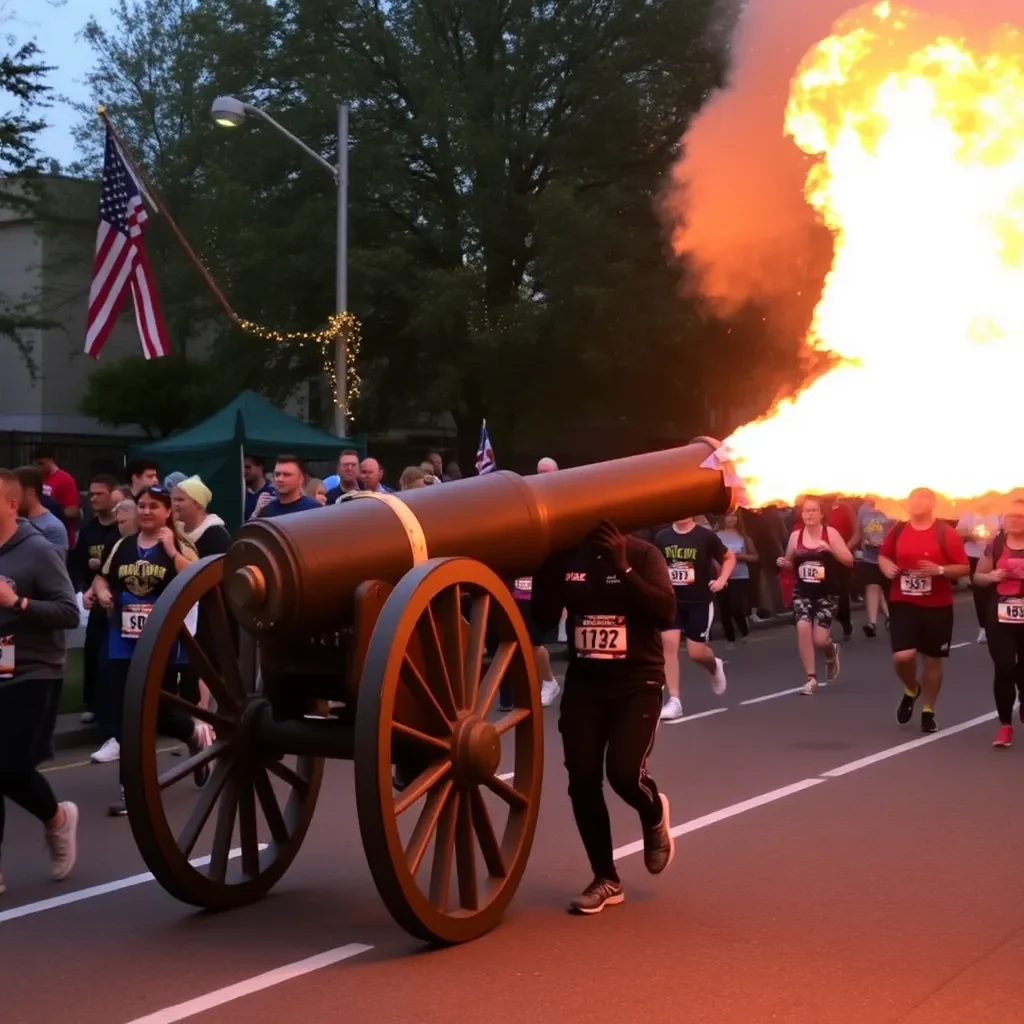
column 325, row 339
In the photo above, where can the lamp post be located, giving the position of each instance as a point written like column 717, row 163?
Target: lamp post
column 230, row 112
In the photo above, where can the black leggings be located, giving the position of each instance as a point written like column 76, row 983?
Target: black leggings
column 27, row 716
column 733, row 606
column 169, row 722
column 1006, row 647
column 604, row 728
column 982, row 595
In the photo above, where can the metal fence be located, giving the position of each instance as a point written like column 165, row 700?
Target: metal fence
column 83, row 456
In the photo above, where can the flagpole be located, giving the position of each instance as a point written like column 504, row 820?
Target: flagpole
column 161, row 209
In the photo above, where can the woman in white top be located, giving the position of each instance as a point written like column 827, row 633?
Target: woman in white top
column 977, row 530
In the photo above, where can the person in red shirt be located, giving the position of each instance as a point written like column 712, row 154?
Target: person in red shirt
column 1001, row 570
column 60, row 485
column 922, row 557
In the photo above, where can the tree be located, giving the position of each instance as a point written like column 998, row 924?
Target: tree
column 506, row 256
column 23, row 90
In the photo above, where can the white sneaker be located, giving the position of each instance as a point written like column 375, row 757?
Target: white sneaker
column 718, row 681
column 673, row 710
column 87, row 718
column 982, row 637
column 3, row 887
column 549, row 691
column 63, row 841
column 810, row 688
column 201, row 739
column 110, row 751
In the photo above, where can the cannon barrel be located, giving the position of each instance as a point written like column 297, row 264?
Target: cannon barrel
column 302, row 571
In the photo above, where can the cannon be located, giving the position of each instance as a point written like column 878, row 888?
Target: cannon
column 379, row 631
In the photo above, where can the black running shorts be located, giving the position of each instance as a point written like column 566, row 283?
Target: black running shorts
column 869, row 574
column 914, row 627
column 694, row 620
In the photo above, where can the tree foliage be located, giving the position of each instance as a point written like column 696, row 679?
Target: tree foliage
column 506, row 257
column 23, row 90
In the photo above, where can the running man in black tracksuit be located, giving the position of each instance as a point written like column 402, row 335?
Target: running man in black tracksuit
column 618, row 596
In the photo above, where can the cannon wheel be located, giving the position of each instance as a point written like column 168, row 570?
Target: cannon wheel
column 240, row 780
column 428, row 658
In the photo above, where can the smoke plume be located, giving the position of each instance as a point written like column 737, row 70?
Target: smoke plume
column 735, row 202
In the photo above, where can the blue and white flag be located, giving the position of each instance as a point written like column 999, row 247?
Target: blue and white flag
column 485, row 462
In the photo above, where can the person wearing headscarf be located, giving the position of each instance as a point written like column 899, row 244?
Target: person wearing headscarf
column 206, row 530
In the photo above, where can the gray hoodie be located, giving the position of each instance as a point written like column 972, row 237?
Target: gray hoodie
column 35, row 569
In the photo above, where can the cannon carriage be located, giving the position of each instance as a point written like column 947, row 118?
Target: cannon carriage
column 378, row 631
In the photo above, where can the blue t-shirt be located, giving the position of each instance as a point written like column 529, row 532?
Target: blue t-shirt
column 301, row 504
column 251, row 497
column 735, row 543
column 874, row 525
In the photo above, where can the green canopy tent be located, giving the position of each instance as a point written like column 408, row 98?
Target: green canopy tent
column 214, row 448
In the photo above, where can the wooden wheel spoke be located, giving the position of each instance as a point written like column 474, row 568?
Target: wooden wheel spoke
column 219, row 624
column 426, row 825
column 286, row 774
column 444, row 848
column 465, row 857
column 452, row 630
column 511, row 720
column 476, row 644
column 495, row 674
column 219, row 722
column 424, row 695
column 421, row 738
column 224, row 830
column 421, row 784
column 247, row 832
column 486, row 836
column 189, row 765
column 511, row 795
column 189, row 835
column 435, row 663
column 209, row 675
column 268, row 802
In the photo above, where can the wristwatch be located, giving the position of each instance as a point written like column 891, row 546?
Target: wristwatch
column 21, row 604
column 942, row 570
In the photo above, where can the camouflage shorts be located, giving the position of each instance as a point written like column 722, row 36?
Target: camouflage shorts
column 818, row 610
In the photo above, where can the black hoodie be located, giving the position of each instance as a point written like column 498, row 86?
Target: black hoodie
column 34, row 568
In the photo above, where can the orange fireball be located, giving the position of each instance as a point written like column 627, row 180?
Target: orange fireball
column 917, row 140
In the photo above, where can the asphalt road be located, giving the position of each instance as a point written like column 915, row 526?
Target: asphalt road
column 831, row 868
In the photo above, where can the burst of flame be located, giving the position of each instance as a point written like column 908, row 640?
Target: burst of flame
column 917, row 137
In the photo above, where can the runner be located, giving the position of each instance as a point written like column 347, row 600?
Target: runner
column 1002, row 566
column 522, row 591
column 137, row 571
column 690, row 550
column 734, row 602
column 976, row 529
column 921, row 557
column 37, row 603
column 872, row 527
column 841, row 518
column 814, row 554
column 619, row 599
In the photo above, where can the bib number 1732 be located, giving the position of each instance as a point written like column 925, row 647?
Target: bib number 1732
column 601, row 637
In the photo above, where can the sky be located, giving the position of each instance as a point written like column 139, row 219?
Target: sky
column 55, row 29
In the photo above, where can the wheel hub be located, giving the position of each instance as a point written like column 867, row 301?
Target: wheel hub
column 476, row 750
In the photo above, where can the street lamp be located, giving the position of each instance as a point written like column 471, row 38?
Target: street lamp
column 230, row 112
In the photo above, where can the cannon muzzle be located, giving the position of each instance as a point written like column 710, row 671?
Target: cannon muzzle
column 302, row 570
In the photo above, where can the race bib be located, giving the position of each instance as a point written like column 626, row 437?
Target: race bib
column 6, row 657
column 915, row 586
column 811, row 572
column 682, row 574
column 133, row 620
column 523, row 587
column 602, row 637
column 1011, row 610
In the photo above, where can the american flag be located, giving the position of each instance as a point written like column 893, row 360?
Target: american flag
column 121, row 262
column 485, row 453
